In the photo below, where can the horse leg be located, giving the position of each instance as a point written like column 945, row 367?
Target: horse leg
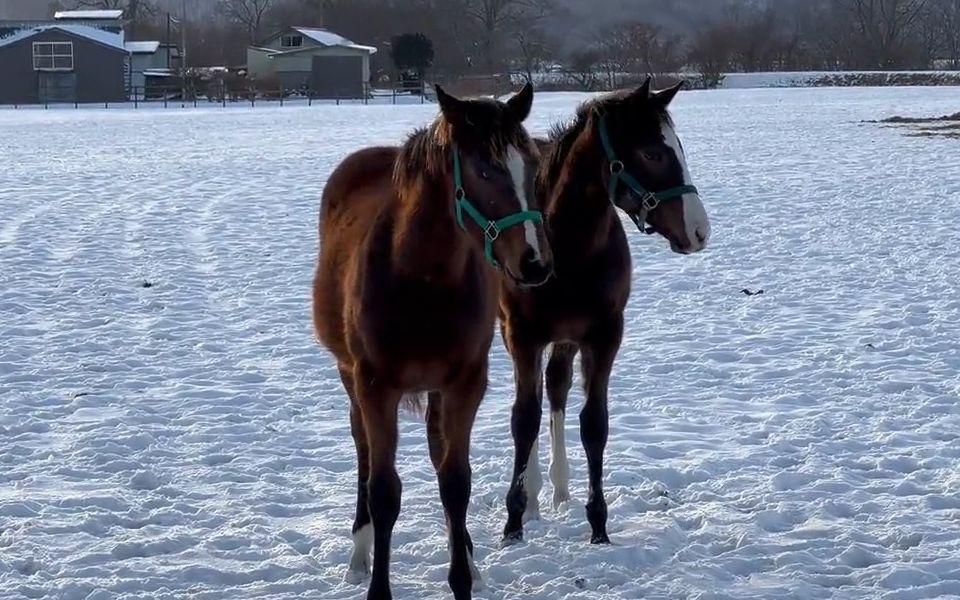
column 434, row 433
column 559, row 379
column 525, row 427
column 597, row 358
column 460, row 404
column 378, row 405
column 437, row 451
column 362, row 529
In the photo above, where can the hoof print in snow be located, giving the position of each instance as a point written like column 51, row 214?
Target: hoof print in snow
column 747, row 292
column 146, row 284
column 580, row 583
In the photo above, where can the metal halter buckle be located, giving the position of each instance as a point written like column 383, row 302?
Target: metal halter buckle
column 616, row 167
column 460, row 194
column 491, row 231
column 650, row 201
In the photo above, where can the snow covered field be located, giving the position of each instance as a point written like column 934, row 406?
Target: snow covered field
column 170, row 429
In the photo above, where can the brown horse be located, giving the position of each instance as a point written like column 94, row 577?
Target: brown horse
column 621, row 151
column 405, row 298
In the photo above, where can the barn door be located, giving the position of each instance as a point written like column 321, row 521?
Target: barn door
column 57, row 88
column 337, row 77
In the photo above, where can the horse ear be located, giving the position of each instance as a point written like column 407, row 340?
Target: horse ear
column 642, row 93
column 664, row 97
column 449, row 105
column 521, row 102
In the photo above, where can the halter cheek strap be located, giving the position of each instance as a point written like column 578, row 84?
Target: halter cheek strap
column 491, row 229
column 649, row 201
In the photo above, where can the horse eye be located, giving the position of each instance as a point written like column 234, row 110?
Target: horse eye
column 653, row 156
column 484, row 174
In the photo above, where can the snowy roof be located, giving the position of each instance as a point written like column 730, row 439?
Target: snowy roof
column 142, row 47
column 328, row 38
column 89, row 14
column 114, row 40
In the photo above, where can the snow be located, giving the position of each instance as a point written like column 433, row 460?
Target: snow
column 808, row 78
column 142, row 47
column 114, row 40
column 328, row 38
column 89, row 14
column 170, row 429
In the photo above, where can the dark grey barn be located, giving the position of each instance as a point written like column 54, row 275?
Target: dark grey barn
column 62, row 63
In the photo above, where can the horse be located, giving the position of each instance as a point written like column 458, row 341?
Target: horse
column 413, row 242
column 621, row 151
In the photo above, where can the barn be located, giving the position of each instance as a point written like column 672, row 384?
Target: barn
column 62, row 63
column 304, row 58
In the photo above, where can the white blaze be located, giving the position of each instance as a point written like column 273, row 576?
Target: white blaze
column 518, row 171
column 694, row 214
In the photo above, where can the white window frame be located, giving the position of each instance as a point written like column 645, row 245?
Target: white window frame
column 292, row 36
column 60, row 52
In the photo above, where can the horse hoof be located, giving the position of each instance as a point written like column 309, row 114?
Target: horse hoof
column 358, row 571
column 601, row 538
column 560, row 499
column 355, row 577
column 509, row 539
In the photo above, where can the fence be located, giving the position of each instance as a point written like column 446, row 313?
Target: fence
column 218, row 93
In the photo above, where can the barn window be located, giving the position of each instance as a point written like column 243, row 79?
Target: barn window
column 291, row 41
column 53, row 56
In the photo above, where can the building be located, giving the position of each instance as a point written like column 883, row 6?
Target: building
column 153, row 66
column 79, row 56
column 302, row 58
column 62, row 63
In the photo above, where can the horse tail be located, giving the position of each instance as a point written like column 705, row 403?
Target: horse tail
column 415, row 404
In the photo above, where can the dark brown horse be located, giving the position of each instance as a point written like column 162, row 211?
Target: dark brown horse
column 405, row 297
column 621, row 151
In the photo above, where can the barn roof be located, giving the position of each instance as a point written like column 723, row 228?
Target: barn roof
column 142, row 47
column 110, row 15
column 105, row 38
column 329, row 38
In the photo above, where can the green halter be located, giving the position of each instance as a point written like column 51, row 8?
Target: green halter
column 491, row 229
column 649, row 201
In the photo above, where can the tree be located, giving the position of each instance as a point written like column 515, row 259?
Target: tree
column 412, row 55
column 249, row 13
column 947, row 14
column 497, row 18
column 134, row 11
column 884, row 27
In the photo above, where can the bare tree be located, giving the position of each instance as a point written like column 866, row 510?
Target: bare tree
column 134, row 11
column 947, row 14
column 496, row 18
column 249, row 13
column 884, row 27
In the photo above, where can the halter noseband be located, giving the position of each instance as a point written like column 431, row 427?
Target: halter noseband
column 491, row 229
column 649, row 201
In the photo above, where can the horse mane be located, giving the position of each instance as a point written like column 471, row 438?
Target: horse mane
column 563, row 135
column 424, row 152
column 427, row 150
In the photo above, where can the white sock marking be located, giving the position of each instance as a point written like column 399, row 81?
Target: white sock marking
column 533, row 483
column 518, row 171
column 559, row 468
column 475, row 576
column 694, row 214
column 362, row 548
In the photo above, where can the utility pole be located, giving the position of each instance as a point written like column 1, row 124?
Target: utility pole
column 183, row 50
column 168, row 41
